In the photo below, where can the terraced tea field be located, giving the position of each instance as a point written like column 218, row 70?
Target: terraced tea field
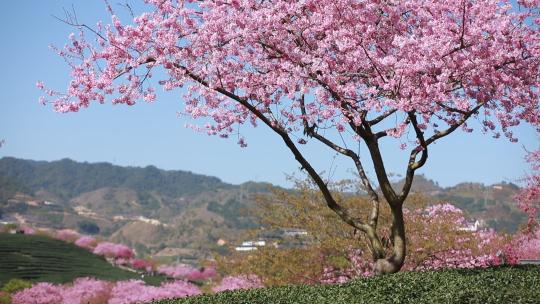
column 39, row 258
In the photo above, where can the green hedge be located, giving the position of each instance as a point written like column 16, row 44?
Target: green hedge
column 495, row 285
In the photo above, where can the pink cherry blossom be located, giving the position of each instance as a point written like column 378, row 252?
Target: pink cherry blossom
column 67, row 235
column 86, row 242
column 87, row 290
column 128, row 292
column 337, row 71
column 142, row 264
column 41, row 293
column 528, row 198
column 238, row 282
column 112, row 250
column 440, row 59
column 187, row 272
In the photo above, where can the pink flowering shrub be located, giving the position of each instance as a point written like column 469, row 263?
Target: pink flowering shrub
column 115, row 251
column 187, row 272
column 358, row 267
column 41, row 293
column 526, row 246
column 27, row 230
column 135, row 291
column 141, row 264
column 87, row 291
column 86, row 242
column 440, row 238
column 238, row 282
column 67, row 235
column 92, row 291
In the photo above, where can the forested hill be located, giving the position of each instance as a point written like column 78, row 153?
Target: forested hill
column 67, row 178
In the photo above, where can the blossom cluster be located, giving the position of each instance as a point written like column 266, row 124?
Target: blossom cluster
column 113, row 250
column 238, row 282
column 247, row 61
column 528, row 198
column 88, row 290
column 442, row 239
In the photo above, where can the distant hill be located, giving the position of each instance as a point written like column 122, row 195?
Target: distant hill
column 42, row 259
column 146, row 208
column 151, row 209
column 67, row 178
column 493, row 203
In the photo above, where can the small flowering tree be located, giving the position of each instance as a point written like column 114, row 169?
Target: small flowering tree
column 135, row 291
column 92, row 291
column 187, row 272
column 332, row 252
column 41, row 293
column 114, row 251
column 87, row 290
column 441, row 238
column 238, row 282
column 67, row 235
column 341, row 73
column 86, row 242
column 528, row 198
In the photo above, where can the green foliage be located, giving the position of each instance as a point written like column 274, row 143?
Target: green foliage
column 234, row 212
column 5, row 298
column 15, row 285
column 8, row 188
column 88, row 227
column 68, row 179
column 477, row 286
column 42, row 259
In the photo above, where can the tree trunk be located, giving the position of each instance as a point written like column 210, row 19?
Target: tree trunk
column 394, row 262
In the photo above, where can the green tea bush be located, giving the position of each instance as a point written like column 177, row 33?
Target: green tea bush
column 15, row 285
column 516, row 285
column 5, row 298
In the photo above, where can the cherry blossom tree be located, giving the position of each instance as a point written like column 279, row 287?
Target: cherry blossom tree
column 528, row 198
column 238, row 282
column 342, row 73
column 114, row 251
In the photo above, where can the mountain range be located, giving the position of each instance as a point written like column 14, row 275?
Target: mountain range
column 179, row 214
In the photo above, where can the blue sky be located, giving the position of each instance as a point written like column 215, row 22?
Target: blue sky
column 153, row 134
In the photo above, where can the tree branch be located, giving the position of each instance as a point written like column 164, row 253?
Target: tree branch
column 330, row 201
column 413, row 165
column 453, row 127
column 310, row 131
column 380, row 118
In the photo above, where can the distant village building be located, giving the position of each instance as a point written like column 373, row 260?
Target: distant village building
column 250, row 245
column 284, row 238
column 294, row 232
column 474, row 226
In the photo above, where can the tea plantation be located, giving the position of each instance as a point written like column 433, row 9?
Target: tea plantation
column 42, row 259
column 478, row 286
